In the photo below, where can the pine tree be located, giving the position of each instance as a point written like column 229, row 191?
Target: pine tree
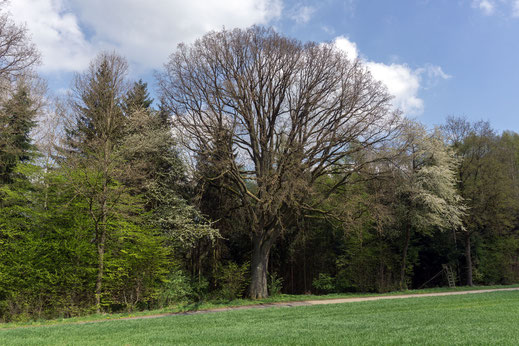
column 158, row 173
column 136, row 98
column 17, row 119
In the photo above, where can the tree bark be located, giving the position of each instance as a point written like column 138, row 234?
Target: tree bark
column 100, row 267
column 259, row 267
column 403, row 285
column 101, row 251
column 468, row 257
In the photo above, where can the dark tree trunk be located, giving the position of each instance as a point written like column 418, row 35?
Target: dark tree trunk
column 100, row 267
column 292, row 276
column 468, row 257
column 259, row 267
column 304, row 265
column 101, row 240
column 403, row 284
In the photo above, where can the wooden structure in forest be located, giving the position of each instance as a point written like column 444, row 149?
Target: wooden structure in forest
column 449, row 274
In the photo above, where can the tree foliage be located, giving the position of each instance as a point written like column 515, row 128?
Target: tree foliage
column 17, row 120
column 268, row 166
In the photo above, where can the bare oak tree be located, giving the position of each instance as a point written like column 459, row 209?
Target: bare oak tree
column 17, row 52
column 17, row 56
column 278, row 116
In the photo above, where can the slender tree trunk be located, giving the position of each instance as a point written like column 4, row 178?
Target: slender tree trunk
column 403, row 284
column 291, row 276
column 100, row 266
column 259, row 267
column 304, row 264
column 199, row 264
column 101, row 251
column 468, row 257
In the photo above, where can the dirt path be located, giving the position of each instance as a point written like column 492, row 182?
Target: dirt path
column 315, row 302
column 439, row 294
column 296, row 303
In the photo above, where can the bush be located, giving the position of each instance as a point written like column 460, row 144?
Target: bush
column 232, row 280
column 372, row 268
column 200, row 288
column 275, row 284
column 177, row 288
column 324, row 283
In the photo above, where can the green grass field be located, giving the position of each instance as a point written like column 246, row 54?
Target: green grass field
column 183, row 307
column 487, row 318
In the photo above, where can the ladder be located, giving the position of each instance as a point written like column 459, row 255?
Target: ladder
column 450, row 275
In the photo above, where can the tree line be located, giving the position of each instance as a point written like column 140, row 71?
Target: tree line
column 267, row 166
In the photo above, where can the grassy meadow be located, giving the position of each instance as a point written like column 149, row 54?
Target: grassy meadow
column 486, row 318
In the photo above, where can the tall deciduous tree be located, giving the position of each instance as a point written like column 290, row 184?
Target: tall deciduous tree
column 91, row 157
column 427, row 195
column 283, row 114
column 486, row 180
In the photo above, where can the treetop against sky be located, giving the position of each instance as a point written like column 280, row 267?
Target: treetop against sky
column 437, row 58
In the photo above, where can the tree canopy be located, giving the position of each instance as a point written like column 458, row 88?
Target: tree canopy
column 265, row 165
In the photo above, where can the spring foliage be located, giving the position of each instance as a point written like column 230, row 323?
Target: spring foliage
column 268, row 166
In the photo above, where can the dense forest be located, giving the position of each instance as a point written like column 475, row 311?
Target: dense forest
column 266, row 166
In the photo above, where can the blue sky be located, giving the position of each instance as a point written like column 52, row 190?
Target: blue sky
column 438, row 57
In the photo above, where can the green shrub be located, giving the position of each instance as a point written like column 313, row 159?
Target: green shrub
column 177, row 288
column 200, row 287
column 275, row 284
column 232, row 280
column 325, row 283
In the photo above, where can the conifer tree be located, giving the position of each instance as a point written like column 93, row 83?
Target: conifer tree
column 17, row 119
column 157, row 171
column 137, row 98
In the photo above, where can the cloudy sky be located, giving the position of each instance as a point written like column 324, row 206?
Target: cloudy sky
column 437, row 57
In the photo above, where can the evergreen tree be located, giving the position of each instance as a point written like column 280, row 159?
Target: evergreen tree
column 137, row 98
column 17, row 119
column 158, row 172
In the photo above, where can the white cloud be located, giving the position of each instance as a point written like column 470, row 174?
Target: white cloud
column 56, row 33
column 487, row 6
column 434, row 72
column 146, row 32
column 347, row 46
column 430, row 75
column 515, row 8
column 302, row 14
column 504, row 8
column 401, row 81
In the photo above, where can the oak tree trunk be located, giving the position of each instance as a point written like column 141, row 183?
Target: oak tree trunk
column 259, row 267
